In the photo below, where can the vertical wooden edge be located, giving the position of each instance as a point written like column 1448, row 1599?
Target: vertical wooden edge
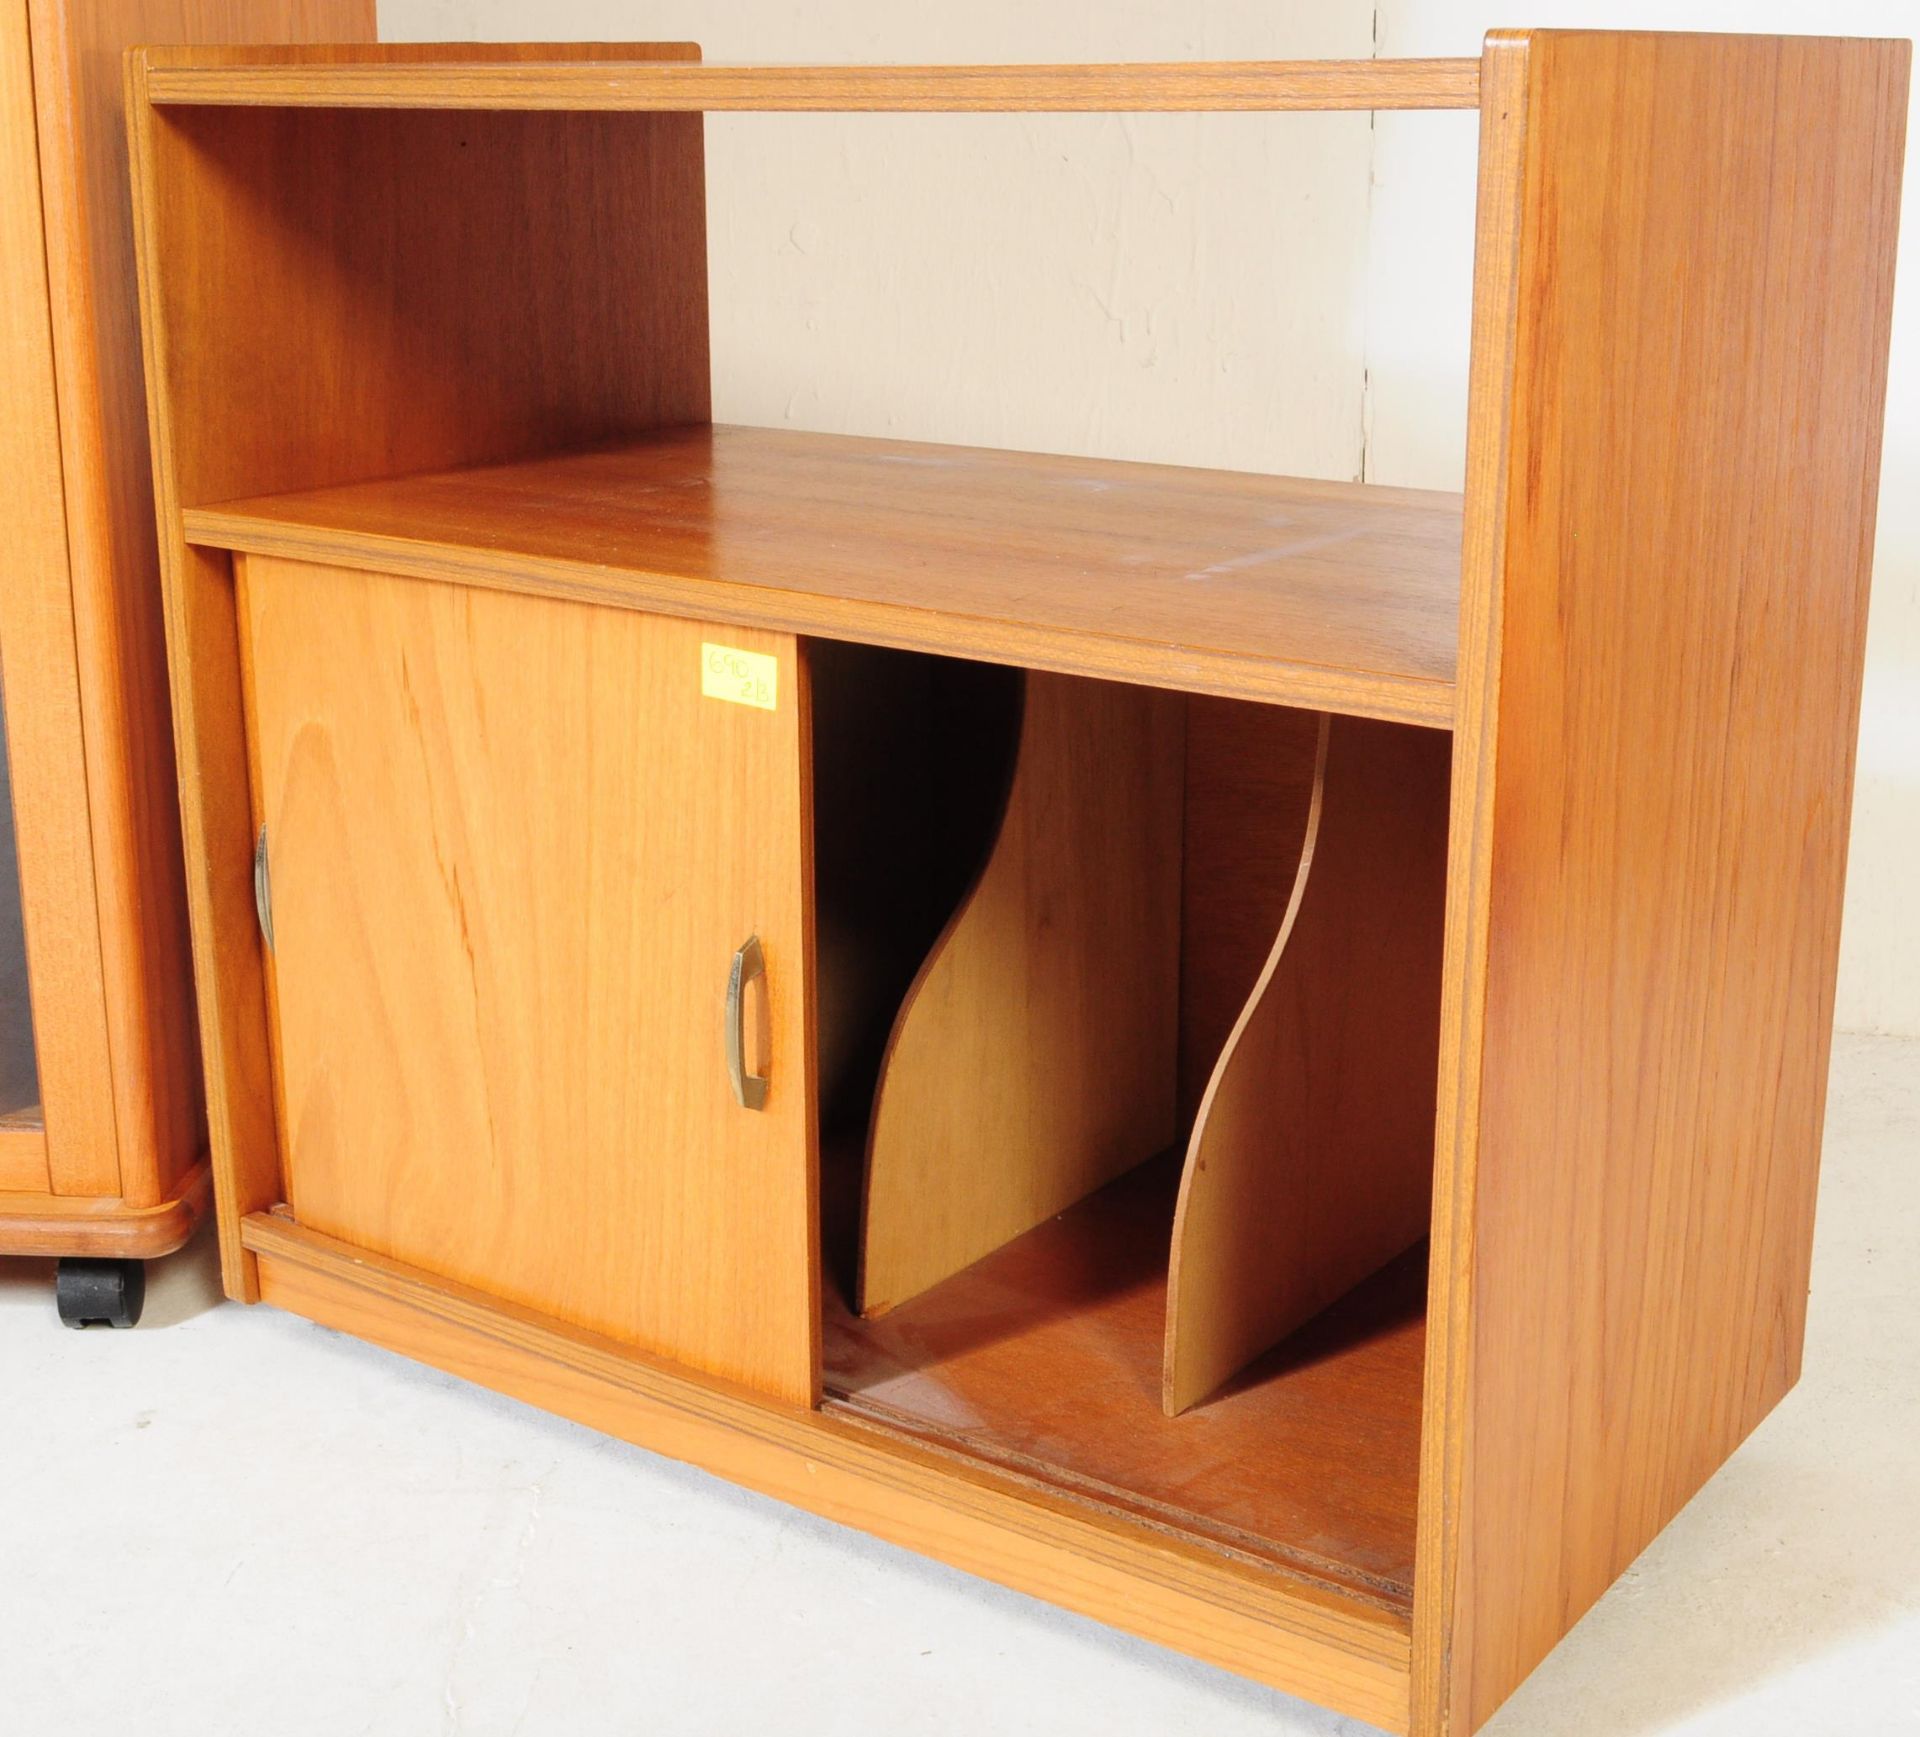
column 704, row 405
column 239, row 1185
column 1443, row 1445
column 52, row 833
column 1875, row 411
column 125, row 901
column 256, row 820
column 815, row 1254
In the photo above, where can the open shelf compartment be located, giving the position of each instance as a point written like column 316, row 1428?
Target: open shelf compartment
column 1037, row 1101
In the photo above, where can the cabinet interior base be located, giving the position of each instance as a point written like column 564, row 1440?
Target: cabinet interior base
column 1044, row 1359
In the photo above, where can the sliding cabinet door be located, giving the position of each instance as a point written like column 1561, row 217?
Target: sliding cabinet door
column 535, row 875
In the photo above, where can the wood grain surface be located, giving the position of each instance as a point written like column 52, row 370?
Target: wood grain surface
column 912, row 759
column 1339, row 596
column 447, row 336
column 443, row 338
column 1034, row 1058
column 1463, row 974
column 514, row 847
column 386, row 81
column 1311, row 1161
column 1669, row 551
column 1045, row 1356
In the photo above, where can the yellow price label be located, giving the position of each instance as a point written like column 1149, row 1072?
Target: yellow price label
column 743, row 678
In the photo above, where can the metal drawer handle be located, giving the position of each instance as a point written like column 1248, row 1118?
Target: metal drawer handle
column 749, row 1090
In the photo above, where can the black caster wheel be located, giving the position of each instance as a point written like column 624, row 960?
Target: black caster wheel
column 96, row 1293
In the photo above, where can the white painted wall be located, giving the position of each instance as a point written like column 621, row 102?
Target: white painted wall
column 1286, row 293
column 1162, row 286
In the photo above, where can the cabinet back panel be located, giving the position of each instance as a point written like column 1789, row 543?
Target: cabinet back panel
column 513, row 849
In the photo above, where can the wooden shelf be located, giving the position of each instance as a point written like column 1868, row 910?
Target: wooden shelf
column 1044, row 1359
column 1338, row 596
column 662, row 86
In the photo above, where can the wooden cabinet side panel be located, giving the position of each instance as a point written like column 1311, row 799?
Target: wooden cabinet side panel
column 1667, row 704
column 40, row 678
column 217, row 812
column 119, row 643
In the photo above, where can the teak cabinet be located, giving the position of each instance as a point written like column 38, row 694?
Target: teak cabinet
column 102, row 1133
column 1246, row 1055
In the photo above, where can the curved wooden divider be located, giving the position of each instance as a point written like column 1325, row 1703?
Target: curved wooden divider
column 1310, row 1165
column 1034, row 1057
column 1251, row 774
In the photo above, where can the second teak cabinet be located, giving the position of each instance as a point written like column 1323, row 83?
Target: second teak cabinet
column 103, row 1147
column 1242, row 1054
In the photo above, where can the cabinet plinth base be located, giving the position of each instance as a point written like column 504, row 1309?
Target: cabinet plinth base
column 106, row 1229
column 1305, row 1639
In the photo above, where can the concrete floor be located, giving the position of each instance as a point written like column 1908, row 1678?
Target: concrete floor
column 231, row 1521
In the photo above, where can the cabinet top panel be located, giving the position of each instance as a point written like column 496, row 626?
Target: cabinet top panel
column 1339, row 596
column 429, row 77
